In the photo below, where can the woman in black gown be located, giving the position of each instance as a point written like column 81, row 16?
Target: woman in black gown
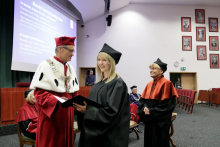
column 108, row 126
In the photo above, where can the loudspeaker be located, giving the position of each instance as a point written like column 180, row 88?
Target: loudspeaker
column 109, row 20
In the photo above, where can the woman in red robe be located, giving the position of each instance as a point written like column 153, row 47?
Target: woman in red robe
column 156, row 106
column 27, row 116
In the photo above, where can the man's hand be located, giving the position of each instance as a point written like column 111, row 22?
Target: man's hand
column 146, row 111
column 80, row 108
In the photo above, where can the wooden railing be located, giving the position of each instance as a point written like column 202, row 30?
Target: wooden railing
column 12, row 99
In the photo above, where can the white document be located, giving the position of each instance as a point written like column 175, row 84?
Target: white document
column 59, row 99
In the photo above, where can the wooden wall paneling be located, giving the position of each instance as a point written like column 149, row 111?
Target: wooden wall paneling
column 6, row 106
column 18, row 101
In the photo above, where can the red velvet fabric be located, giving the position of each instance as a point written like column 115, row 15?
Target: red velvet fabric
column 57, row 129
column 64, row 40
column 26, row 112
column 133, row 109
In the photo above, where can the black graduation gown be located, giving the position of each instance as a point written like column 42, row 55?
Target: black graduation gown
column 161, row 103
column 108, row 126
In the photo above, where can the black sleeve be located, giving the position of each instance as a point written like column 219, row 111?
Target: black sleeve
column 140, row 110
column 24, row 127
column 56, row 108
column 163, row 111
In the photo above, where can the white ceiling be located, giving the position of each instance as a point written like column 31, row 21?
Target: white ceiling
column 92, row 9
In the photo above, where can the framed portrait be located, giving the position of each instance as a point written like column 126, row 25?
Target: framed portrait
column 213, row 43
column 213, row 24
column 186, row 24
column 214, row 60
column 200, row 34
column 187, row 43
column 200, row 15
column 201, row 52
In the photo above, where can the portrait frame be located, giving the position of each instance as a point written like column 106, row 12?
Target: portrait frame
column 213, row 43
column 201, row 55
column 186, row 43
column 201, row 36
column 214, row 63
column 213, row 24
column 186, row 28
column 200, row 16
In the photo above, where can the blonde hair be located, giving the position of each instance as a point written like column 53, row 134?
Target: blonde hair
column 28, row 99
column 112, row 71
column 155, row 66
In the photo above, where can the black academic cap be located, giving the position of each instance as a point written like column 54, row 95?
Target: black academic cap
column 162, row 65
column 113, row 53
column 27, row 92
column 134, row 87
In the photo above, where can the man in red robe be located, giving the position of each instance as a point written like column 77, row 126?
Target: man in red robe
column 156, row 106
column 55, row 77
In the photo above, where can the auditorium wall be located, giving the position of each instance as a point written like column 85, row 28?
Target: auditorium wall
column 145, row 32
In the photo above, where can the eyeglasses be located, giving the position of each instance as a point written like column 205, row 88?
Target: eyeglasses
column 71, row 51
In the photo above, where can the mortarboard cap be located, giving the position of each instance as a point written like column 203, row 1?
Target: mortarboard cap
column 133, row 87
column 111, row 52
column 27, row 92
column 162, row 65
column 64, row 40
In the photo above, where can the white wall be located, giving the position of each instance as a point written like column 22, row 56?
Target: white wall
column 145, row 32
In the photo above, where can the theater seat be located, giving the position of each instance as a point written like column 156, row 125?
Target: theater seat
column 23, row 84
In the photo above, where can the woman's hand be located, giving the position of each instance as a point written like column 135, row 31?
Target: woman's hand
column 146, row 111
column 80, row 108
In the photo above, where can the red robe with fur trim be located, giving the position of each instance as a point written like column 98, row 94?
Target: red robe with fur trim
column 55, row 123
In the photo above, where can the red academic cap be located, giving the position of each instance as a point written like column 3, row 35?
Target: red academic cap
column 64, row 40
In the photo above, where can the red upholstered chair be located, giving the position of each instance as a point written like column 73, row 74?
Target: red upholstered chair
column 191, row 102
column 188, row 100
column 182, row 97
column 23, row 84
column 185, row 98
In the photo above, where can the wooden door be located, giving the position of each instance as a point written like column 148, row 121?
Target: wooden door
column 188, row 81
column 82, row 74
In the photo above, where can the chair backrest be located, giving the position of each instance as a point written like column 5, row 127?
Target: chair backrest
column 23, row 84
column 192, row 96
column 214, row 89
column 183, row 92
column 189, row 93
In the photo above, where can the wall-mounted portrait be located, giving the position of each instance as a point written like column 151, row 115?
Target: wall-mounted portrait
column 187, row 43
column 200, row 34
column 201, row 52
column 200, row 15
column 214, row 60
column 213, row 24
column 186, row 24
column 213, row 43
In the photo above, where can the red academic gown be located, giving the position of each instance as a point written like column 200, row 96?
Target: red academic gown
column 55, row 123
column 159, row 97
column 28, row 115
